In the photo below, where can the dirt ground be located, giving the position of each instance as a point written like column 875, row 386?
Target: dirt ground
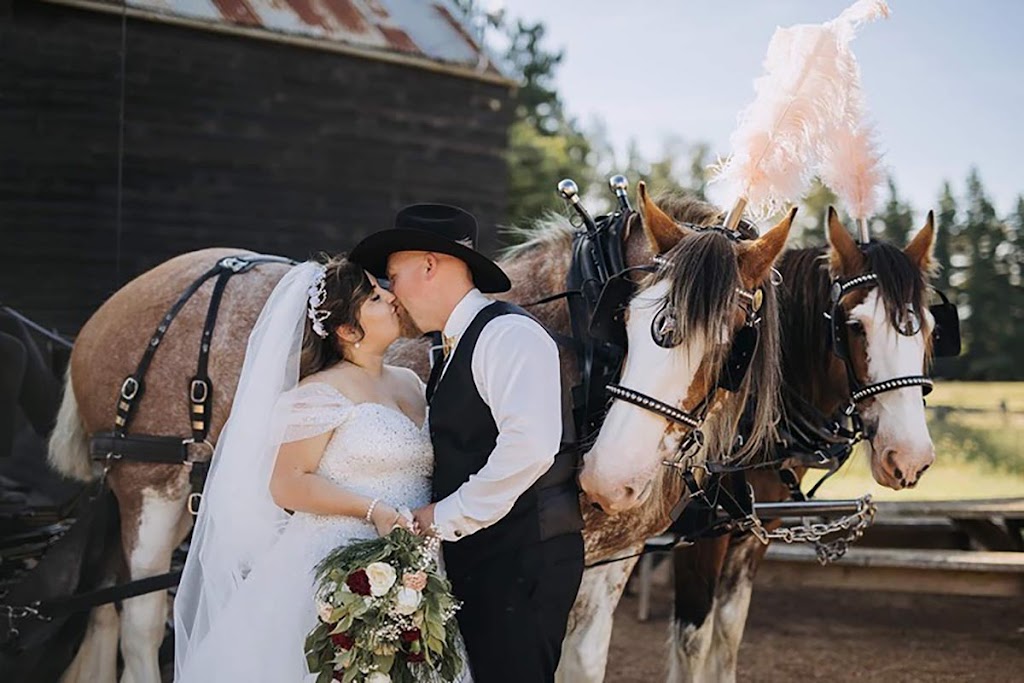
column 832, row 635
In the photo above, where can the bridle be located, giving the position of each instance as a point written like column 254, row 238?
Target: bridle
column 945, row 341
column 666, row 333
column 810, row 438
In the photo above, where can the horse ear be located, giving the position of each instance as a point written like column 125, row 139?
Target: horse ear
column 757, row 257
column 662, row 232
column 919, row 251
column 845, row 257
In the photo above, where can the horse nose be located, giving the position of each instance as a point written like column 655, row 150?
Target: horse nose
column 614, row 500
column 904, row 468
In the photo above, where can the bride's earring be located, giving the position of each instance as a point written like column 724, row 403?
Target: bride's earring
column 357, row 345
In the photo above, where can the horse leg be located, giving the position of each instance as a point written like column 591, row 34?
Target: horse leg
column 732, row 602
column 585, row 648
column 151, row 525
column 697, row 570
column 96, row 659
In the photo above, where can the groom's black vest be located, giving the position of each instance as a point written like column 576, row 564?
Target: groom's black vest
column 464, row 433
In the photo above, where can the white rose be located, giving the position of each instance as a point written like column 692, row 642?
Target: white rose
column 324, row 610
column 407, row 601
column 378, row 677
column 382, row 577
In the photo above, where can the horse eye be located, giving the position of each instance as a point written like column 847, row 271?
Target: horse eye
column 663, row 329
column 855, row 326
column 909, row 323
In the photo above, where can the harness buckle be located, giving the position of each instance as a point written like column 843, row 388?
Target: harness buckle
column 234, row 263
column 199, row 391
column 129, row 388
column 674, row 464
column 201, row 456
column 194, row 499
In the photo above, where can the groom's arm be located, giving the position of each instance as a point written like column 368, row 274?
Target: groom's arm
column 516, row 371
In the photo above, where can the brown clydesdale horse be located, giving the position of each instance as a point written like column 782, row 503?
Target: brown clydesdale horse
column 152, row 498
column 714, row 577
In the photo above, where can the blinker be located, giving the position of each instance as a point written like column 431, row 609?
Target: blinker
column 738, row 362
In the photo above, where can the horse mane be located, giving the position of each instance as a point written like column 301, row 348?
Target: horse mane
column 552, row 232
column 899, row 280
column 709, row 302
column 805, row 301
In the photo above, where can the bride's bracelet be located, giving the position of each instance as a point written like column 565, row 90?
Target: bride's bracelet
column 369, row 510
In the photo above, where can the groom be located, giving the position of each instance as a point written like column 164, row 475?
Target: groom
column 505, row 499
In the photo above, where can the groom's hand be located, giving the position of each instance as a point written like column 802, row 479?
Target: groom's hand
column 424, row 517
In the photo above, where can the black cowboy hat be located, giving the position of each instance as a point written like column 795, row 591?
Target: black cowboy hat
column 438, row 228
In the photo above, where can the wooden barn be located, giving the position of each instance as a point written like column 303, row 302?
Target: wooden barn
column 131, row 133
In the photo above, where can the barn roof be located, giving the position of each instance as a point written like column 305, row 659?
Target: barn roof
column 427, row 33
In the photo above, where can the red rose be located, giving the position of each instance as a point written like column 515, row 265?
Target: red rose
column 339, row 675
column 411, row 636
column 343, row 640
column 358, row 582
column 415, row 657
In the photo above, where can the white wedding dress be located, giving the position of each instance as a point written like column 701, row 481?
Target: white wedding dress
column 375, row 451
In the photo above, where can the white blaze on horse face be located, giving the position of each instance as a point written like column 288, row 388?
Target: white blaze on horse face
column 619, row 469
column 901, row 448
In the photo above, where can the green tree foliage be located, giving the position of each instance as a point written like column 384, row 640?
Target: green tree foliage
column 1015, row 293
column 986, row 289
column 813, row 213
column 896, row 221
column 945, row 230
column 981, row 256
column 545, row 144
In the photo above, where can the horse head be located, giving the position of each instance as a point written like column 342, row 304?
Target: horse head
column 882, row 340
column 700, row 317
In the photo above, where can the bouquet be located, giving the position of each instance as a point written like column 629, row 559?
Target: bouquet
column 386, row 614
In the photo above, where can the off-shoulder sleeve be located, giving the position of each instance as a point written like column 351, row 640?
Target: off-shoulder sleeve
column 311, row 410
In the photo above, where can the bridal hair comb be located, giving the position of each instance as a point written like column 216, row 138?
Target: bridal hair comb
column 317, row 296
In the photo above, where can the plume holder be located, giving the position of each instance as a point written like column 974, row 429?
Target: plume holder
column 865, row 232
column 732, row 219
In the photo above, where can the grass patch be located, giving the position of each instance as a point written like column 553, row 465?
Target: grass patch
column 978, row 395
column 950, row 478
column 978, row 454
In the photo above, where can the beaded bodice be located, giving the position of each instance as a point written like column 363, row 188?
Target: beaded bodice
column 374, row 450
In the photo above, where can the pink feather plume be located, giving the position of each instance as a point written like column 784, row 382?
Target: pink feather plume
column 852, row 167
column 851, row 162
column 802, row 98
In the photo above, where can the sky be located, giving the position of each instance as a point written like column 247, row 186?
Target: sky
column 943, row 79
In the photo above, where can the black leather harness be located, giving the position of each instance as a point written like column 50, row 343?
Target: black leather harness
column 194, row 451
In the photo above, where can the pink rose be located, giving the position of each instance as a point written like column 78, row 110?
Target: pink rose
column 416, row 581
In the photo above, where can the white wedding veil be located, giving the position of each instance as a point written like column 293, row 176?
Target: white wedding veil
column 238, row 521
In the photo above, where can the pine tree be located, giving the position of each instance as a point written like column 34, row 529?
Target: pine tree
column 896, row 220
column 1015, row 302
column 988, row 328
column 945, row 229
column 814, row 212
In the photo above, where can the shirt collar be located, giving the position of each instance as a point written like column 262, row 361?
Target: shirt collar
column 464, row 312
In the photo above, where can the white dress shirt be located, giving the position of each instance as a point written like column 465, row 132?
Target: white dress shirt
column 516, row 372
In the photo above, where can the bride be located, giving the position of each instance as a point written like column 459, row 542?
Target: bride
column 320, row 426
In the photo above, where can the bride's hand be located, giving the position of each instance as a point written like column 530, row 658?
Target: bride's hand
column 385, row 518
